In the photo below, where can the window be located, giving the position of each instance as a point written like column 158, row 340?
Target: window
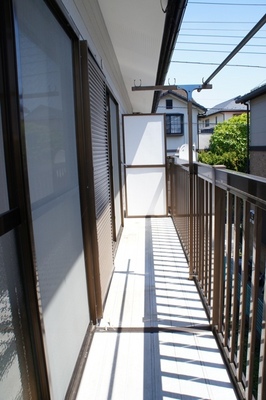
column 174, row 124
column 207, row 123
column 169, row 104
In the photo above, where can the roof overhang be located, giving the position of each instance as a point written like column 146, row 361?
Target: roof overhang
column 143, row 38
column 261, row 90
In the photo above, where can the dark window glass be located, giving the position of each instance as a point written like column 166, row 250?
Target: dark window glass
column 174, row 124
column 169, row 104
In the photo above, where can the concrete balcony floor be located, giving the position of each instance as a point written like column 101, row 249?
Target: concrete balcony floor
column 154, row 341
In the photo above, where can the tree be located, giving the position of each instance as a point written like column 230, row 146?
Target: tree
column 228, row 144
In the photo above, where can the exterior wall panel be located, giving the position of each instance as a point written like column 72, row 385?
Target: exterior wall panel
column 258, row 121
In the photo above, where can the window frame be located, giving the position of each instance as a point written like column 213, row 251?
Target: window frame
column 170, row 124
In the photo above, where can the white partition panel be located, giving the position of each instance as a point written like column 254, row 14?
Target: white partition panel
column 144, row 138
column 146, row 191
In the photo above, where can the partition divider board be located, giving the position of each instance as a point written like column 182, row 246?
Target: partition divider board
column 145, row 165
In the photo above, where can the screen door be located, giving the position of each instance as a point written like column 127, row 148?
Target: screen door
column 145, row 169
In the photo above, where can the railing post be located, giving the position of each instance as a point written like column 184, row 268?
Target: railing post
column 189, row 89
column 191, row 189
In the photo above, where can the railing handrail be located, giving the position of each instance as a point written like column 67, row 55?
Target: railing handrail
column 244, row 185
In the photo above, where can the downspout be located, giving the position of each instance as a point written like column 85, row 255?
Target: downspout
column 248, row 138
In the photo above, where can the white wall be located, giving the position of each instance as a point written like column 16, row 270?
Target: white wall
column 179, row 107
column 88, row 19
column 214, row 119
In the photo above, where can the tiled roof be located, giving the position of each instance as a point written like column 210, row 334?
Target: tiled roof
column 228, row 105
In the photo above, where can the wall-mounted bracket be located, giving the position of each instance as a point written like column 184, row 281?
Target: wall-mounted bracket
column 188, row 88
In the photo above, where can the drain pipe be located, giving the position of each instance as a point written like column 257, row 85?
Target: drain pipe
column 248, row 138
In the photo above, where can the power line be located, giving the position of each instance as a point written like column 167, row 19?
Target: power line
column 221, row 36
column 219, row 44
column 220, row 51
column 212, row 29
column 218, row 22
column 228, row 4
column 228, row 65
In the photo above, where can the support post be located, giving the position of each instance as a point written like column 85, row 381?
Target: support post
column 191, row 188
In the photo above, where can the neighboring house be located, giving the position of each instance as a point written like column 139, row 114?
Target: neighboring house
column 256, row 103
column 219, row 113
column 174, row 105
column 67, row 68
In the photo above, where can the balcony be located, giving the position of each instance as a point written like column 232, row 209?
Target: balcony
column 185, row 313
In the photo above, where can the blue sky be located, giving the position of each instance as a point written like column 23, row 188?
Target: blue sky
column 209, row 32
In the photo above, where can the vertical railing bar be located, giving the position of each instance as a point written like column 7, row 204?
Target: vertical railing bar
column 243, row 290
column 210, row 262
column 201, row 229
column 227, row 291
column 218, row 277
column 254, row 300
column 262, row 358
column 187, row 233
column 237, row 217
column 206, row 236
column 195, row 226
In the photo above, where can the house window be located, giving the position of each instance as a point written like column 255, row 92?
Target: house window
column 169, row 104
column 174, row 124
column 207, row 122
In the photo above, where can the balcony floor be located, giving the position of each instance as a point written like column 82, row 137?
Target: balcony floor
column 154, row 341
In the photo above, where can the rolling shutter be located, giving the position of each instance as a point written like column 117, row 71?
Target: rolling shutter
column 101, row 172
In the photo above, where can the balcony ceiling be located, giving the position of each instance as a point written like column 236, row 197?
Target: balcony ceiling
column 136, row 30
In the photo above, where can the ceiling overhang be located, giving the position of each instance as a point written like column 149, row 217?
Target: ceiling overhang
column 143, row 38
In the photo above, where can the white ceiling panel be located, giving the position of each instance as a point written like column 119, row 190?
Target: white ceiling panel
column 136, row 29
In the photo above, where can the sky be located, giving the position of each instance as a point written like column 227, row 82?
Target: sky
column 210, row 31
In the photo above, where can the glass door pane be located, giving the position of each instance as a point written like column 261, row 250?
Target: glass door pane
column 46, row 65
column 17, row 375
column 16, row 370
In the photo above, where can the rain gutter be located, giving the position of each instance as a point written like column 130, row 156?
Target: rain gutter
column 174, row 16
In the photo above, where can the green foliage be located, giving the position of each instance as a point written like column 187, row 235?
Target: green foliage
column 228, row 144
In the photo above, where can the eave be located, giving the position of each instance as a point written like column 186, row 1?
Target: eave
column 143, row 38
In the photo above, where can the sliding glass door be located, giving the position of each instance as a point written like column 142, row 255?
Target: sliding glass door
column 45, row 61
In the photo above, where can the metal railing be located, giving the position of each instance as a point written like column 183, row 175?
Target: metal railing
column 220, row 217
